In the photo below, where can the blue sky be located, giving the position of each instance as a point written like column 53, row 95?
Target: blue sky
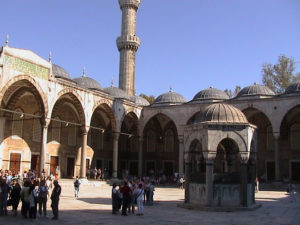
column 187, row 44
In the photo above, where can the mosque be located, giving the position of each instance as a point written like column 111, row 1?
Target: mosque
column 51, row 121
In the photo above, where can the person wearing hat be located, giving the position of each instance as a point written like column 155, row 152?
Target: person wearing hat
column 55, row 199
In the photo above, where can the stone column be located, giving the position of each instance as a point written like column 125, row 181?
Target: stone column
column 140, row 169
column 187, row 178
column 2, row 130
column 244, row 179
column 43, row 151
column 277, row 156
column 209, row 185
column 115, row 155
column 84, row 131
column 181, row 155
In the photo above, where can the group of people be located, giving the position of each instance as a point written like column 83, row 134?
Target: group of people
column 31, row 190
column 131, row 194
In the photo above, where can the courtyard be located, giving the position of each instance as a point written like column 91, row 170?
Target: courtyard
column 94, row 207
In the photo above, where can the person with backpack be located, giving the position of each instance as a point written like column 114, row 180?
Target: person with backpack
column 55, row 199
column 25, row 192
column 43, row 197
column 139, row 193
column 76, row 186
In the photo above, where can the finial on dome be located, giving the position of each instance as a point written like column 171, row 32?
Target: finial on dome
column 211, row 87
column 171, row 89
column 84, row 72
column 50, row 56
column 7, row 40
column 112, row 82
column 255, row 83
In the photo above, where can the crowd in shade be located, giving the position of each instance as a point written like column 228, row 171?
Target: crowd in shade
column 32, row 190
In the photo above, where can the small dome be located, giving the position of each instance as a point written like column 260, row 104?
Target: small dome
column 60, row 72
column 293, row 88
column 210, row 94
column 255, row 89
column 169, row 98
column 140, row 101
column 221, row 113
column 116, row 92
column 88, row 82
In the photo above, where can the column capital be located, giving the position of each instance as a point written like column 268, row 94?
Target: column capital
column 180, row 138
column 129, row 4
column 276, row 135
column 45, row 121
column 115, row 135
column 84, row 130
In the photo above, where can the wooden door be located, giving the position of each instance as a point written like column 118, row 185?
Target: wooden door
column 15, row 162
column 150, row 166
column 270, row 171
column 169, row 168
column 133, row 168
column 87, row 166
column 70, row 167
column 99, row 164
column 35, row 163
column 53, row 164
column 295, row 169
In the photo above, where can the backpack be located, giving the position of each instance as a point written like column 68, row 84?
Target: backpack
column 76, row 183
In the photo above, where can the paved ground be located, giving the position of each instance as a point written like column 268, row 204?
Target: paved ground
column 94, row 207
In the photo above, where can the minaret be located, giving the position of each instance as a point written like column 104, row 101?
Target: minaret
column 128, row 43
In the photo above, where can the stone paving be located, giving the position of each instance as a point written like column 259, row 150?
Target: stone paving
column 94, row 207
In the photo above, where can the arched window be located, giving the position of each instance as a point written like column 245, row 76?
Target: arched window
column 72, row 135
column 17, row 124
column 36, row 129
column 295, row 136
column 151, row 141
column 270, row 139
column 169, row 141
column 55, row 130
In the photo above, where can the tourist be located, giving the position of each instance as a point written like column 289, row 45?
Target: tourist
column 49, row 183
column 291, row 190
column 25, row 191
column 32, row 202
column 139, row 192
column 151, row 192
column 99, row 173
column 256, row 184
column 3, row 197
column 15, row 196
column 126, row 192
column 76, row 186
column 43, row 197
column 131, row 198
column 181, row 181
column 55, row 199
column 115, row 199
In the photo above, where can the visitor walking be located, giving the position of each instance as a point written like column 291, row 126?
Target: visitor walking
column 125, row 190
column 3, row 197
column 55, row 199
column 139, row 193
column 291, row 189
column 43, row 197
column 15, row 196
column 115, row 199
column 25, row 191
column 76, row 186
column 32, row 202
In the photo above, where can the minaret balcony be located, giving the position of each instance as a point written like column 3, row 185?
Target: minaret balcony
column 128, row 42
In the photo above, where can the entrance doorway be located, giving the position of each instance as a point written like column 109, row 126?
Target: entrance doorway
column 54, row 164
column 133, row 168
column 15, row 162
column 87, row 166
column 295, row 168
column 70, row 167
column 150, row 167
column 35, row 163
column 99, row 164
column 169, row 168
column 270, row 171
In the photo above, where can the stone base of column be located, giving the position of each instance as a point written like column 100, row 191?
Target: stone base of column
column 218, row 208
column 84, row 181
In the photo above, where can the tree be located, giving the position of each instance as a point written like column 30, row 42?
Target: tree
column 149, row 98
column 279, row 76
column 231, row 93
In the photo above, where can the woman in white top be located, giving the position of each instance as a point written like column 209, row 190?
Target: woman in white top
column 139, row 193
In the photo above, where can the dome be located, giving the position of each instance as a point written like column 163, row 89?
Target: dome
column 293, row 88
column 221, row 113
column 60, row 72
column 255, row 89
column 116, row 92
column 140, row 101
column 169, row 98
column 210, row 94
column 87, row 82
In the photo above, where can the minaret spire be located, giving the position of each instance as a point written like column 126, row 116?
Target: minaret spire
column 7, row 40
column 128, row 43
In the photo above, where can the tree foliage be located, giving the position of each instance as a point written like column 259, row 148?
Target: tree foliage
column 149, row 98
column 231, row 93
column 279, row 76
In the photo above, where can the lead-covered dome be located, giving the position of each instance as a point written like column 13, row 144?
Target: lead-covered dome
column 255, row 90
column 170, row 97
column 60, row 72
column 221, row 113
column 116, row 92
column 293, row 88
column 140, row 101
column 210, row 94
column 87, row 82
